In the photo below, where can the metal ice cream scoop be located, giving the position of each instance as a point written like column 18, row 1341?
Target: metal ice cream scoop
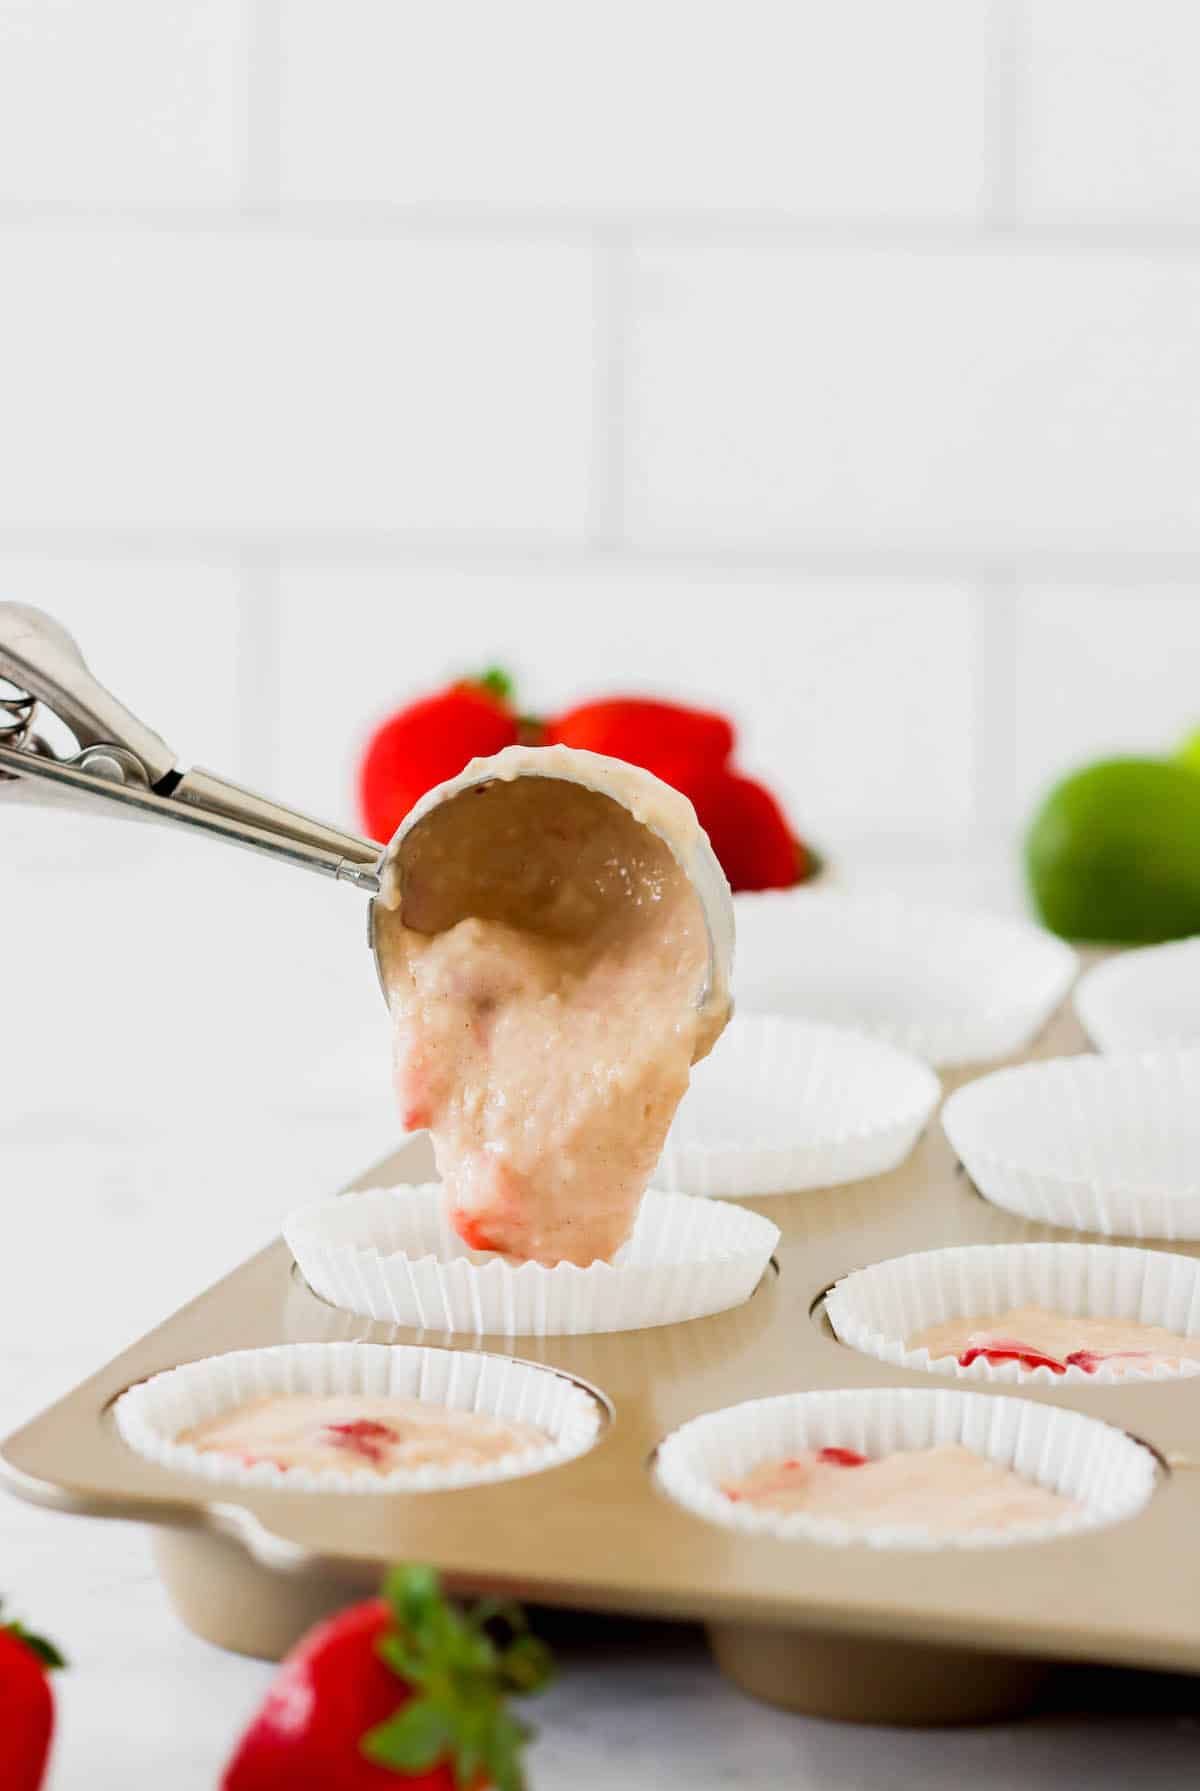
column 123, row 767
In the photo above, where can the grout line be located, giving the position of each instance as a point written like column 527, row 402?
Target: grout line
column 257, row 670
column 316, row 547
column 260, row 172
column 994, row 678
column 1004, row 115
column 262, row 213
column 613, row 313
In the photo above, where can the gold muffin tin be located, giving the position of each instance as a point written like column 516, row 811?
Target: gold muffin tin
column 854, row 1632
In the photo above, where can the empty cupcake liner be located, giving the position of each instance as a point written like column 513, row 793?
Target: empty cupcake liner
column 391, row 1254
column 952, row 986
column 783, row 1105
column 874, row 1310
column 1100, row 1467
column 1145, row 1000
column 152, row 1415
column 1105, row 1144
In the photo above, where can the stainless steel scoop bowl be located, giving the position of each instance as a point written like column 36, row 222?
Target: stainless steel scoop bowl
column 123, row 767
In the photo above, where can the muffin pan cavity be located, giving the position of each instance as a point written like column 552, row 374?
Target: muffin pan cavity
column 878, row 1310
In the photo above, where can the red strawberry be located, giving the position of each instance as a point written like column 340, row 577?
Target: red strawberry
column 749, row 833
column 1010, row 1349
column 26, row 1707
column 402, row 1689
column 665, row 738
column 429, row 741
column 690, row 749
column 362, row 1437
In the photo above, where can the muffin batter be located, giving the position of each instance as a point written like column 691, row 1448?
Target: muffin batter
column 948, row 1489
column 358, row 1433
column 544, row 961
column 1037, row 1338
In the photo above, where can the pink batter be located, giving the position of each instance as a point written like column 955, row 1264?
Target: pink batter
column 543, row 971
column 1037, row 1338
column 360, row 1433
column 949, row 1490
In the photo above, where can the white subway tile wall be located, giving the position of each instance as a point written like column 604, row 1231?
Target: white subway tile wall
column 232, row 382
column 1098, row 673
column 836, row 363
column 135, row 102
column 636, row 105
column 987, row 399
column 1114, row 129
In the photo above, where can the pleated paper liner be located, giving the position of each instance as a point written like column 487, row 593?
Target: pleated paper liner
column 1143, row 1000
column 1106, row 1144
column 785, row 1104
column 1097, row 1466
column 949, row 985
column 152, row 1415
column 876, row 1309
column 391, row 1254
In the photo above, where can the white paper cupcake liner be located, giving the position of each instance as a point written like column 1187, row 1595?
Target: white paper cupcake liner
column 951, row 986
column 876, row 1309
column 391, row 1254
column 783, row 1104
column 1106, row 1144
column 152, row 1415
column 1145, row 1000
column 1100, row 1467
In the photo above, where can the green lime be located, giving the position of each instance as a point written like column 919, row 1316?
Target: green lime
column 1188, row 751
column 1113, row 854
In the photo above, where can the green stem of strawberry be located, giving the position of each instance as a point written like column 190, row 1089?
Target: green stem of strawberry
column 501, row 684
column 810, row 861
column 461, row 1667
column 46, row 1652
column 496, row 680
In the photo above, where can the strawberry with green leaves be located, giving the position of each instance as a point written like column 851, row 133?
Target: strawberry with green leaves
column 403, row 1690
column 429, row 741
column 26, row 1706
column 690, row 749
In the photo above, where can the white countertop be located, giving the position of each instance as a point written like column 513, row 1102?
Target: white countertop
column 168, row 1089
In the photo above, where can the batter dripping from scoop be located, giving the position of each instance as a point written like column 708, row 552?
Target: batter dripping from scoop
column 543, row 974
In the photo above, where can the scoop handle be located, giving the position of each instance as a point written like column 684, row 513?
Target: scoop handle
column 39, row 656
column 126, row 768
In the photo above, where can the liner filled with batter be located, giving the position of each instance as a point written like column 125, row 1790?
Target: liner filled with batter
column 884, row 1467
column 1047, row 1313
column 358, row 1417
